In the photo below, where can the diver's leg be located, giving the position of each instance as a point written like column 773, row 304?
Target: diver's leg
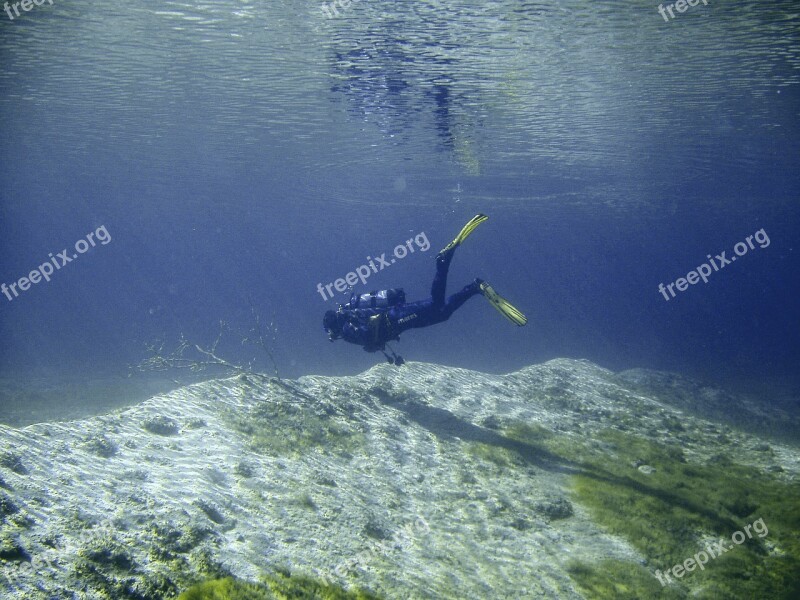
column 440, row 280
column 446, row 255
column 415, row 314
column 455, row 301
column 426, row 313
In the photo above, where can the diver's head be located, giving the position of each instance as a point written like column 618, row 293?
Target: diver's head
column 331, row 324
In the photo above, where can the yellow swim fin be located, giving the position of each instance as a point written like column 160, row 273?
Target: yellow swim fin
column 503, row 306
column 465, row 231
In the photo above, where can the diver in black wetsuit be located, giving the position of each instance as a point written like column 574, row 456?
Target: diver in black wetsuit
column 372, row 320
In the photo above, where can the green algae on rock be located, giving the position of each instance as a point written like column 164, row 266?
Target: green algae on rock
column 289, row 429
column 673, row 511
column 276, row 587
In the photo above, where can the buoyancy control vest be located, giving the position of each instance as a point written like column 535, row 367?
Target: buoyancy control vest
column 377, row 299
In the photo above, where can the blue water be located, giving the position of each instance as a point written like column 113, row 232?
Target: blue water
column 241, row 154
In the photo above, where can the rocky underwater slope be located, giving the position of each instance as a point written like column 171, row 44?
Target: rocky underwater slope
column 562, row 480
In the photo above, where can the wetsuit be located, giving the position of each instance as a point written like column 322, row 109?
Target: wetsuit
column 373, row 327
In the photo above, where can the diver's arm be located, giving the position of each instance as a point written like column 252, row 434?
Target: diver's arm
column 355, row 333
column 358, row 331
column 350, row 333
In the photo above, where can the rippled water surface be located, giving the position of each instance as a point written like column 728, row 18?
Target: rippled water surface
column 497, row 88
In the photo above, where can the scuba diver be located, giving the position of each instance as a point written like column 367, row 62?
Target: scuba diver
column 372, row 320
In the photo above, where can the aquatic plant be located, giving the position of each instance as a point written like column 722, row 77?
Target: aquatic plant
column 501, row 457
column 13, row 462
column 555, row 509
column 101, row 446
column 377, row 527
column 284, row 428
column 306, row 501
column 105, row 550
column 160, row 425
column 195, row 358
column 244, row 469
column 619, row 580
column 211, row 510
column 226, row 589
column 11, row 550
column 171, row 539
column 195, row 423
column 7, row 506
column 671, row 511
column 273, row 587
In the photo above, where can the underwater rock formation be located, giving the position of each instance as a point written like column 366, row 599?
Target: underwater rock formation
column 561, row 480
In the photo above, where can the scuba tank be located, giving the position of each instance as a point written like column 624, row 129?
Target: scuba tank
column 381, row 299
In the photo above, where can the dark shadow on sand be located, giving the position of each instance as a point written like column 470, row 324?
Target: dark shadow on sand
column 446, row 425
